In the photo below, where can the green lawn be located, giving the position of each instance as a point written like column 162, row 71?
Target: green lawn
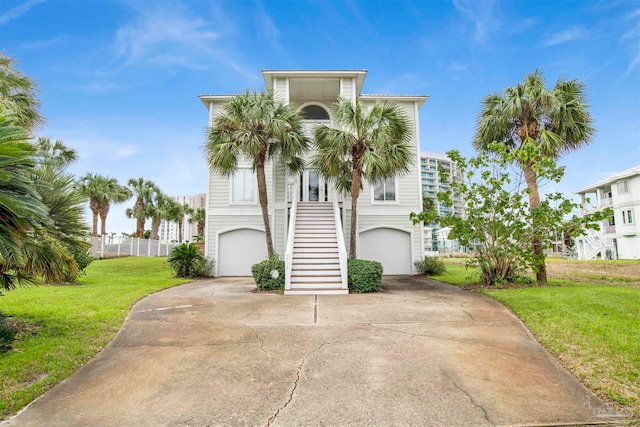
column 592, row 329
column 72, row 323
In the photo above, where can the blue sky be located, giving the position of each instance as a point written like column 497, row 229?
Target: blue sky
column 119, row 80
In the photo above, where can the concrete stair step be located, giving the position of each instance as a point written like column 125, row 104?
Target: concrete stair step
column 302, row 279
column 332, row 245
column 317, row 250
column 327, row 274
column 325, row 257
column 316, row 233
column 315, row 267
column 316, row 291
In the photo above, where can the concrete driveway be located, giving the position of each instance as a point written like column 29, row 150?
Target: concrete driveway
column 418, row 353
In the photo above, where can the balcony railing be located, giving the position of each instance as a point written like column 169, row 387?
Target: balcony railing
column 609, row 229
column 608, row 201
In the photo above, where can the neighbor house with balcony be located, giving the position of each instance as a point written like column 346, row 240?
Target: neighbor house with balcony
column 619, row 237
column 310, row 221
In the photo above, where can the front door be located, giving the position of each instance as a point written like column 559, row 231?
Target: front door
column 312, row 187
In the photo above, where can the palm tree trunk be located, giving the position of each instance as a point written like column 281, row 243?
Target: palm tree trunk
column 262, row 196
column 180, row 222
column 534, row 202
column 94, row 231
column 201, row 228
column 140, row 227
column 355, row 193
column 155, row 226
column 103, row 223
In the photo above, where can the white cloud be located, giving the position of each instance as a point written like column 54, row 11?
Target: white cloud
column 126, row 151
column 565, row 36
column 41, row 44
column 18, row 11
column 481, row 13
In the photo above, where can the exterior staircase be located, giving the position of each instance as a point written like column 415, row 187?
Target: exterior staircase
column 315, row 257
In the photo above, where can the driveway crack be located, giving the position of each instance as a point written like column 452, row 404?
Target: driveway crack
column 476, row 404
column 295, row 384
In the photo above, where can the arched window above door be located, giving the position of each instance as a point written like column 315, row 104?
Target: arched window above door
column 314, row 112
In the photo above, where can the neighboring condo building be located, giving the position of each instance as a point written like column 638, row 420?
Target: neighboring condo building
column 169, row 230
column 619, row 237
column 430, row 164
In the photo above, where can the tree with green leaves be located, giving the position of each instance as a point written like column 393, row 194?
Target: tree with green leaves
column 143, row 190
column 370, row 143
column 261, row 128
column 175, row 212
column 554, row 121
column 157, row 210
column 199, row 217
column 498, row 223
column 18, row 95
column 102, row 191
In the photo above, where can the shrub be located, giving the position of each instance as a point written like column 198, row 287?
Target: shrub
column 431, row 266
column 7, row 334
column 82, row 257
column 364, row 276
column 186, row 260
column 264, row 272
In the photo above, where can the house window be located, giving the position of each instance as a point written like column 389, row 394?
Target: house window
column 623, row 187
column 243, row 186
column 315, row 112
column 385, row 191
column 629, row 217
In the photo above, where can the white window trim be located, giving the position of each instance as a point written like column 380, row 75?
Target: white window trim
column 385, row 202
column 621, row 184
column 630, row 216
column 255, row 192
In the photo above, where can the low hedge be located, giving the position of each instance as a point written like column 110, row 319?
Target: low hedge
column 264, row 272
column 364, row 276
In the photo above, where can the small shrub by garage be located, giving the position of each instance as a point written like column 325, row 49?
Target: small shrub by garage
column 364, row 276
column 269, row 274
column 187, row 261
column 431, row 266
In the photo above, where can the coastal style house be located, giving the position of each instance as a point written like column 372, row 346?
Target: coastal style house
column 310, row 221
column 619, row 237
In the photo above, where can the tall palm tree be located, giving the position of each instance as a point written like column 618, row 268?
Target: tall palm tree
column 260, row 127
column 102, row 191
column 175, row 212
column 555, row 121
column 54, row 154
column 143, row 190
column 199, row 216
column 17, row 94
column 368, row 143
column 157, row 210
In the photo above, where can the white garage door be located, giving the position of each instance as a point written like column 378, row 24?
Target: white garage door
column 389, row 246
column 239, row 250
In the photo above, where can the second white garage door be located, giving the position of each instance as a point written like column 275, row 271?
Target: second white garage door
column 239, row 250
column 390, row 247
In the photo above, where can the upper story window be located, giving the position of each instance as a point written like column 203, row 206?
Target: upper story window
column 385, row 191
column 243, row 186
column 627, row 217
column 623, row 187
column 314, row 112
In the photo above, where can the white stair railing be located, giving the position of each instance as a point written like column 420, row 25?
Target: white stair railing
column 288, row 255
column 342, row 251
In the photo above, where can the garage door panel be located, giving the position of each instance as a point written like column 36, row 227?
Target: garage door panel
column 390, row 247
column 239, row 250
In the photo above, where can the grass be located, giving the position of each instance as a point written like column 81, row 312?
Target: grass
column 70, row 324
column 591, row 326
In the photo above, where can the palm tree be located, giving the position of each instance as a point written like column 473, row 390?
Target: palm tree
column 54, row 154
column 555, row 122
column 143, row 191
column 102, row 191
column 157, row 211
column 17, row 94
column 199, row 216
column 175, row 212
column 371, row 143
column 261, row 127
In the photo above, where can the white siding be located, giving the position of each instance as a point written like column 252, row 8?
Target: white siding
column 280, row 87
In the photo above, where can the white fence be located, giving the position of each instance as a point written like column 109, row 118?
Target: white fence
column 116, row 246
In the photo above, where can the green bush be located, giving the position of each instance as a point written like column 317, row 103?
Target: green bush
column 82, row 257
column 186, row 260
column 7, row 334
column 364, row 276
column 264, row 272
column 431, row 266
